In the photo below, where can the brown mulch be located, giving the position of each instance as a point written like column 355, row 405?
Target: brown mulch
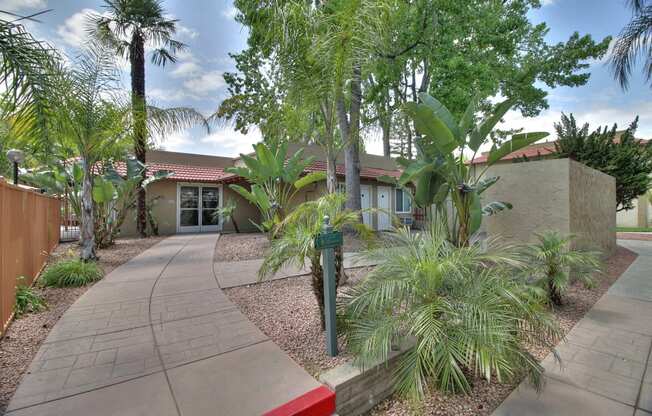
column 25, row 334
column 250, row 246
column 634, row 236
column 287, row 312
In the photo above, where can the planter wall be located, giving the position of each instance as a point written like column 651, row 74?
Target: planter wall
column 357, row 391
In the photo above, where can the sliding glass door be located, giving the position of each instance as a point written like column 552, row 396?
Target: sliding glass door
column 196, row 206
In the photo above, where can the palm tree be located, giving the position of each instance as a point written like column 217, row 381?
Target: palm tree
column 130, row 25
column 296, row 244
column 457, row 305
column 27, row 71
column 554, row 264
column 634, row 40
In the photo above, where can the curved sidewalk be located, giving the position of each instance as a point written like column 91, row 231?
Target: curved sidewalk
column 606, row 368
column 158, row 336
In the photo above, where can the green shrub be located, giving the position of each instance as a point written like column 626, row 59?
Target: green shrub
column 461, row 307
column 73, row 272
column 553, row 264
column 27, row 300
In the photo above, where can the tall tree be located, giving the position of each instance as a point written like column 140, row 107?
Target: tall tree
column 128, row 28
column 615, row 153
column 634, row 41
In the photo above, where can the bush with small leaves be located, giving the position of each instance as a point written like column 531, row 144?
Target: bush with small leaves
column 73, row 272
column 27, row 299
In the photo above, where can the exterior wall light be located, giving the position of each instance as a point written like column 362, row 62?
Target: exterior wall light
column 16, row 156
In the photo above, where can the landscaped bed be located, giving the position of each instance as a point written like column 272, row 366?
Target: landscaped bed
column 25, row 334
column 287, row 312
column 249, row 246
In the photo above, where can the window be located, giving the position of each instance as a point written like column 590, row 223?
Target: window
column 403, row 202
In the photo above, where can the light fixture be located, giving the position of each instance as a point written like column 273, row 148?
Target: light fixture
column 16, row 156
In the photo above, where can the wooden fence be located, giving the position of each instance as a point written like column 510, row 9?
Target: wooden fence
column 29, row 230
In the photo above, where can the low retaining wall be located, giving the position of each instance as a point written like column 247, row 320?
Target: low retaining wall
column 357, row 391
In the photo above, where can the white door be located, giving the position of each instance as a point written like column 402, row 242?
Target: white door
column 384, row 222
column 195, row 207
column 365, row 200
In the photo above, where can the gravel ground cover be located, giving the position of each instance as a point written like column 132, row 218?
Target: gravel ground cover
column 287, row 312
column 25, row 334
column 250, row 246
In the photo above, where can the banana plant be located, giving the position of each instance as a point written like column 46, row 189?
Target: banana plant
column 115, row 194
column 441, row 172
column 275, row 180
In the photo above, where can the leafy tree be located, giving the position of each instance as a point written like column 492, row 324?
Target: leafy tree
column 296, row 244
column 458, row 305
column 633, row 41
column 365, row 59
column 129, row 26
column 554, row 264
column 275, row 179
column 615, row 153
column 441, row 170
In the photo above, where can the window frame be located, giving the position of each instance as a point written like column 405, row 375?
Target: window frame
column 403, row 200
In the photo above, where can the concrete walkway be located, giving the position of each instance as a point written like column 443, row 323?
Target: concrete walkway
column 158, row 337
column 606, row 368
column 245, row 272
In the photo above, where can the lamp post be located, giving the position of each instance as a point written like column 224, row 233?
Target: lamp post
column 15, row 156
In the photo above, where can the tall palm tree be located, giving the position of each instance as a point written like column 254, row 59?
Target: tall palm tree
column 633, row 41
column 129, row 26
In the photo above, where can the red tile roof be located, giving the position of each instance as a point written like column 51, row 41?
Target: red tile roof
column 184, row 173
column 541, row 149
column 366, row 173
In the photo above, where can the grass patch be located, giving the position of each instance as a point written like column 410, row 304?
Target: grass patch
column 27, row 299
column 634, row 229
column 71, row 273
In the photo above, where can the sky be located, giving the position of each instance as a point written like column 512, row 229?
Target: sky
column 211, row 33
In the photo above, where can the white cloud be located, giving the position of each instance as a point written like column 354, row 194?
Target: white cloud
column 17, row 5
column 230, row 142
column 205, row 84
column 230, row 13
column 186, row 32
column 186, row 69
column 177, row 141
column 73, row 31
column 545, row 3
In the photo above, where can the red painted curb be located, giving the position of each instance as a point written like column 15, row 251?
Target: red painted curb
column 317, row 402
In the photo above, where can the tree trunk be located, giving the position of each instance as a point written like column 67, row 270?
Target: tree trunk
column 137, row 58
column 317, row 279
column 331, row 172
column 87, row 231
column 340, row 275
column 554, row 294
column 352, row 149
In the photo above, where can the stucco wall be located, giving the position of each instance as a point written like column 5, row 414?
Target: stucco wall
column 592, row 208
column 557, row 194
column 539, row 192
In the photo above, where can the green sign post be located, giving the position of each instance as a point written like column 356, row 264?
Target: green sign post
column 326, row 241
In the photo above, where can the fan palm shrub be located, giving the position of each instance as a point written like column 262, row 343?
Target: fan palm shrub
column 296, row 242
column 553, row 264
column 459, row 306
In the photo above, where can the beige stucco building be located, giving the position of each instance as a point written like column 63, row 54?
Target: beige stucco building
column 185, row 202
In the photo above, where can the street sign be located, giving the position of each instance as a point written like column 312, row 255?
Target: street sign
column 328, row 240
